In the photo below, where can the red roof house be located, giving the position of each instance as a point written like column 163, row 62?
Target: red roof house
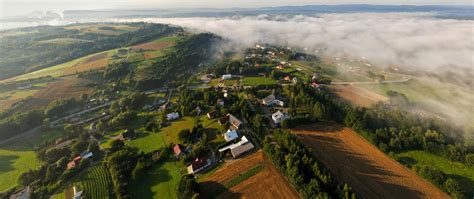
column 74, row 162
column 177, row 150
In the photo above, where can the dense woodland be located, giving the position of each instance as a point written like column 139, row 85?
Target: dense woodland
column 27, row 53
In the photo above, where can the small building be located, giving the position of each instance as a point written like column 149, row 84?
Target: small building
column 239, row 148
column 77, row 193
column 86, row 155
column 294, row 80
column 271, row 100
column 172, row 116
column 74, row 162
column 177, row 150
column 231, row 119
column 198, row 165
column 226, row 76
column 287, row 78
column 230, row 135
column 213, row 114
column 279, row 117
column 220, row 102
column 315, row 85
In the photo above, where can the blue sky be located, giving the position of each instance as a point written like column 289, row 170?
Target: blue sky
column 20, row 7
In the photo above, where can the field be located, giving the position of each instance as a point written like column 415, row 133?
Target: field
column 18, row 157
column 462, row 173
column 268, row 183
column 255, row 81
column 104, row 29
column 160, row 182
column 357, row 96
column 64, row 41
column 96, row 183
column 370, row 172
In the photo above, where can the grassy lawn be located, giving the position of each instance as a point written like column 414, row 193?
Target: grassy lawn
column 455, row 170
column 255, row 81
column 160, row 182
column 18, row 157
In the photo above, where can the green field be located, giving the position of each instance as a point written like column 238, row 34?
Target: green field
column 64, row 41
column 18, row 157
column 160, row 182
column 455, row 170
column 255, row 81
column 96, row 183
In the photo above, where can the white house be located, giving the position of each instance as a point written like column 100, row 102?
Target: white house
column 172, row 116
column 238, row 148
column 278, row 117
column 230, row 135
column 271, row 100
column 226, row 76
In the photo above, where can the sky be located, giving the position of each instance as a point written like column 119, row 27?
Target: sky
column 21, row 7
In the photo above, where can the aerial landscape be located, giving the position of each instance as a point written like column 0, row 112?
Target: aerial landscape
column 236, row 99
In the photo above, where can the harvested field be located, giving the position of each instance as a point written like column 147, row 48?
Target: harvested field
column 268, row 183
column 154, row 45
column 357, row 96
column 370, row 172
column 98, row 61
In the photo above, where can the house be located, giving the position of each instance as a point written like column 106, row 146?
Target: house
column 177, row 150
column 220, row 102
column 198, row 165
column 213, row 114
column 86, row 155
column 271, row 100
column 165, row 106
column 22, row 194
column 239, row 148
column 230, row 135
column 315, row 85
column 280, row 67
column 77, row 193
column 172, row 116
column 294, row 80
column 287, row 78
column 234, row 121
column 226, row 76
column 74, row 162
column 279, row 117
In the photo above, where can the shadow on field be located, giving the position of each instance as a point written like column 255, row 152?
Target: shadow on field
column 6, row 162
column 466, row 183
column 142, row 187
column 356, row 166
column 213, row 189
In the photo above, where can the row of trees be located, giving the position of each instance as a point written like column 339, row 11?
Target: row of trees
column 296, row 162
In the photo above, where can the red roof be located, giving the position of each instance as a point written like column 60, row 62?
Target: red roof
column 74, row 162
column 177, row 149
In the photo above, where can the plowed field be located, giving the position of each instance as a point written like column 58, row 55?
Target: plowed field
column 268, row 183
column 370, row 172
column 357, row 96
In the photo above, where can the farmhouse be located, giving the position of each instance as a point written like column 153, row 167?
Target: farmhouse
column 220, row 102
column 226, row 76
column 234, row 121
column 271, row 100
column 177, row 150
column 198, row 164
column 77, row 193
column 230, row 135
column 279, row 117
column 213, row 114
column 172, row 116
column 74, row 162
column 86, row 155
column 239, row 148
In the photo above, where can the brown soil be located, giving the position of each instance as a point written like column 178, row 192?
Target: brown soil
column 152, row 45
column 268, row 183
column 357, row 96
column 370, row 172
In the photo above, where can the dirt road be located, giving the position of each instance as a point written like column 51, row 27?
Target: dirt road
column 370, row 172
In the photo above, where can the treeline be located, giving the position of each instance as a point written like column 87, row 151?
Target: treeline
column 296, row 162
column 390, row 129
column 26, row 53
column 176, row 66
column 20, row 122
column 440, row 179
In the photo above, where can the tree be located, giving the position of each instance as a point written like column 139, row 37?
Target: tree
column 469, row 159
column 187, row 187
column 116, row 145
column 184, row 135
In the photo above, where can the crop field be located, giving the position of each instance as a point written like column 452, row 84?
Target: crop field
column 104, row 29
column 370, row 172
column 462, row 173
column 64, row 41
column 97, row 61
column 157, row 44
column 96, row 183
column 357, row 96
column 247, row 180
column 255, row 81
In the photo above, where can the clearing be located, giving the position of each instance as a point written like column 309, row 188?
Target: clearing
column 357, row 96
column 268, row 183
column 370, row 172
column 256, row 81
